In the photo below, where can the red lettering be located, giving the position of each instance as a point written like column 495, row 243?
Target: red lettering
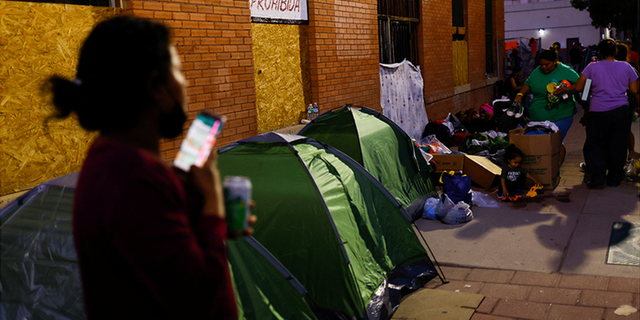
column 283, row 5
column 267, row 4
column 297, row 6
column 290, row 5
column 274, row 4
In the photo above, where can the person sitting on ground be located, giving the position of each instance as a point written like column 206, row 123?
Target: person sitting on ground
column 147, row 249
column 513, row 177
column 608, row 121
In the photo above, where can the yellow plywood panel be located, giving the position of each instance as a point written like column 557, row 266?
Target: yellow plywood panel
column 281, row 63
column 36, row 41
column 460, row 63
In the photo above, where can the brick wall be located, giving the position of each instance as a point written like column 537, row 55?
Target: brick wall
column 343, row 51
column 213, row 38
column 436, row 52
column 475, row 28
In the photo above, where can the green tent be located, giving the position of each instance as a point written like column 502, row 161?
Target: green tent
column 339, row 232
column 383, row 148
column 40, row 278
column 261, row 284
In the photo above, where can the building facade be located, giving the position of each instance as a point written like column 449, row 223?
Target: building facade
column 261, row 73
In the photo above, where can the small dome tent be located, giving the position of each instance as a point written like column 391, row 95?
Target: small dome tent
column 40, row 278
column 331, row 224
column 381, row 147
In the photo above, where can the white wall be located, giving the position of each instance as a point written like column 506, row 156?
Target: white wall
column 559, row 19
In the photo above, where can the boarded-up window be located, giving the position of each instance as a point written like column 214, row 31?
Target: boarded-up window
column 460, row 63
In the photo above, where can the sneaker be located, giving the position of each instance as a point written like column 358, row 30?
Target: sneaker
column 519, row 110
column 583, row 166
column 511, row 111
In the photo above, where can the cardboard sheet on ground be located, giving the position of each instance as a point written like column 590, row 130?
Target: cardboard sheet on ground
column 430, row 304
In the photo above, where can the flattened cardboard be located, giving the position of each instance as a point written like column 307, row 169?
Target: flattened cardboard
column 541, row 156
column 482, row 170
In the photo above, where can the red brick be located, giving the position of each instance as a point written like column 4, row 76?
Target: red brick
column 560, row 312
column 505, row 291
column 149, row 5
column 624, row 285
column 521, row 309
column 554, row 295
column 170, row 6
column 535, row 278
column 605, row 299
column 162, row 15
column 583, row 282
column 488, row 275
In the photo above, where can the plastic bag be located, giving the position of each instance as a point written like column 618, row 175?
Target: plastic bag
column 484, row 200
column 430, row 209
column 435, row 146
column 632, row 169
column 460, row 213
column 444, row 206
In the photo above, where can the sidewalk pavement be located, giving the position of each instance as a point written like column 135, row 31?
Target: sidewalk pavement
column 544, row 258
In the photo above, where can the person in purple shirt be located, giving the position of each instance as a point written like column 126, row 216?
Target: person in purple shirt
column 608, row 120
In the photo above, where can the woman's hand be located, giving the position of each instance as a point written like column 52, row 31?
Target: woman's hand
column 207, row 180
column 518, row 98
column 560, row 90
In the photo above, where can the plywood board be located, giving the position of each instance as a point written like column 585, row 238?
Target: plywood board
column 281, row 67
column 38, row 40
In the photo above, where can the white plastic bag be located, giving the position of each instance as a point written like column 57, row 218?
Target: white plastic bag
column 429, row 209
column 444, row 206
column 484, row 200
column 460, row 213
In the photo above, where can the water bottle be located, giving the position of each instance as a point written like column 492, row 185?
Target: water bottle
column 315, row 109
column 310, row 113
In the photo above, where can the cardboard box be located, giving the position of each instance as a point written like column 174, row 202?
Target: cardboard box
column 482, row 170
column 541, row 155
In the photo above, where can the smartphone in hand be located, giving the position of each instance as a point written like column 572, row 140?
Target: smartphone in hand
column 201, row 138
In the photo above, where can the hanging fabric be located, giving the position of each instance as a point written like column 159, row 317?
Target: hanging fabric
column 401, row 97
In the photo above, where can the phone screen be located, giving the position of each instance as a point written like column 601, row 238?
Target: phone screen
column 201, row 138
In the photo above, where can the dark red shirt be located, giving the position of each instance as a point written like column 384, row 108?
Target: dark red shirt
column 140, row 257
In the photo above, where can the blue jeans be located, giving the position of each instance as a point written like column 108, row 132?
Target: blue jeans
column 564, row 125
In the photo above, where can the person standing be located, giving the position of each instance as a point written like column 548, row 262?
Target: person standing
column 575, row 55
column 147, row 248
column 608, row 121
column 632, row 55
column 545, row 104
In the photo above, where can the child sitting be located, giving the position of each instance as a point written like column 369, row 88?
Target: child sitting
column 513, row 177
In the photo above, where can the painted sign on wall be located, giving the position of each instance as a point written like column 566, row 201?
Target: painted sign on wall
column 279, row 11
